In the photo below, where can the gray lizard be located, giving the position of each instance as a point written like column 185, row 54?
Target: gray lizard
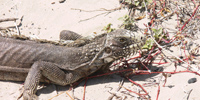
column 63, row 65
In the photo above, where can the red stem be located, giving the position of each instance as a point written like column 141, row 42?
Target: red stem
column 139, row 86
column 190, row 17
column 158, row 92
column 84, row 89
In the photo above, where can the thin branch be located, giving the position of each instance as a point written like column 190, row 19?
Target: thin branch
column 189, row 94
column 8, row 19
column 15, row 26
column 113, row 94
column 94, row 16
column 102, row 9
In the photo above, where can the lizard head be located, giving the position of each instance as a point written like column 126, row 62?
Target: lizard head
column 121, row 43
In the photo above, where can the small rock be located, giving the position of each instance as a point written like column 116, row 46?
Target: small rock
column 61, row 1
column 192, row 80
column 170, row 86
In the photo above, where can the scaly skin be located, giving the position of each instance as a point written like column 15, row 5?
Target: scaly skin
column 69, row 35
column 19, row 74
column 65, row 65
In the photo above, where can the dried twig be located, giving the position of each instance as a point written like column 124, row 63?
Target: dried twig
column 189, row 94
column 8, row 19
column 94, row 16
column 113, row 94
column 12, row 19
column 102, row 9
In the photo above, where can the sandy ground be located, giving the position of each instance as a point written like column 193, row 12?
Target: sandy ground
column 45, row 19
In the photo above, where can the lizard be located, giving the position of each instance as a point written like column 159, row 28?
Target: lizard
column 64, row 65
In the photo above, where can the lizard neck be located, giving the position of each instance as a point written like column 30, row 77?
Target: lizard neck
column 91, row 49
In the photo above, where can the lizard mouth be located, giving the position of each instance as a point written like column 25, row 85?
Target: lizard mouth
column 124, row 51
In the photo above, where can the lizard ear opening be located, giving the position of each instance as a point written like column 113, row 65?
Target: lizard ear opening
column 107, row 52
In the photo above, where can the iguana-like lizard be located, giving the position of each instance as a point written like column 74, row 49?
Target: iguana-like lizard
column 63, row 65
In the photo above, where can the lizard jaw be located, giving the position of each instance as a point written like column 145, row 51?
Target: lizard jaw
column 108, row 59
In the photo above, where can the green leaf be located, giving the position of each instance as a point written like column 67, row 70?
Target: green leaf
column 108, row 28
column 120, row 18
column 137, row 3
column 158, row 33
column 149, row 44
column 128, row 22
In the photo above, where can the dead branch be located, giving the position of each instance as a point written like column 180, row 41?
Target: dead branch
column 113, row 94
column 12, row 19
column 8, row 19
column 102, row 9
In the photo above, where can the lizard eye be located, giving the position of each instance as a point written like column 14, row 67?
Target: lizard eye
column 122, row 40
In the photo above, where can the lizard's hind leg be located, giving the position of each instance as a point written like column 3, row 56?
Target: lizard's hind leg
column 49, row 70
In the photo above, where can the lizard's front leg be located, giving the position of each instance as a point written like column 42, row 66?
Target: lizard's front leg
column 50, row 71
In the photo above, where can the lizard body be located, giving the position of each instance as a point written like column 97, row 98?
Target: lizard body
column 64, row 65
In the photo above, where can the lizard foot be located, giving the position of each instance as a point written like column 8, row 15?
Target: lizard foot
column 27, row 95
